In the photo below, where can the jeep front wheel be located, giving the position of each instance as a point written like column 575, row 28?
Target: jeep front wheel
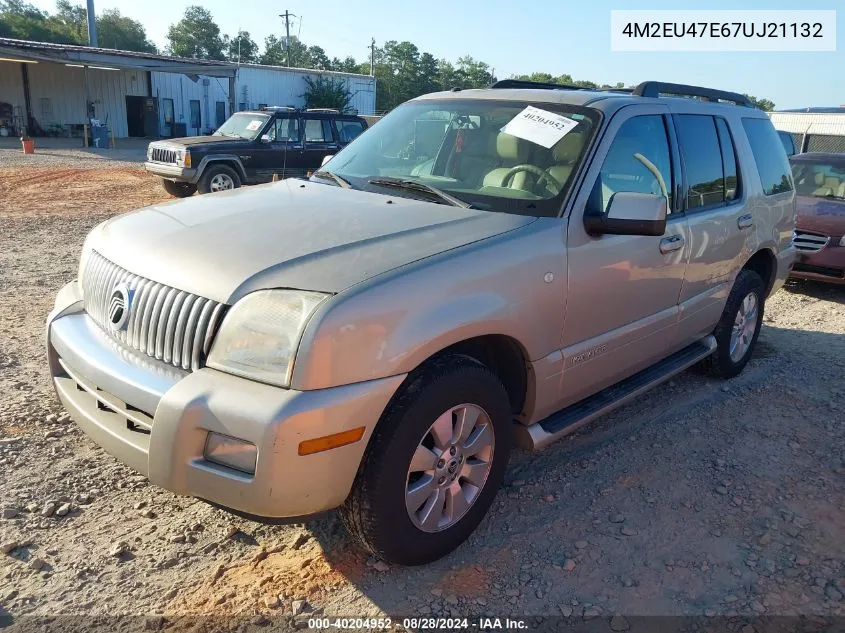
column 178, row 189
column 434, row 463
column 218, row 178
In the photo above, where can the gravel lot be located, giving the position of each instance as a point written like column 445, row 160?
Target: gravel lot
column 701, row 498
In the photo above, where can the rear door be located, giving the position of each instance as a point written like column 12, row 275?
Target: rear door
column 622, row 299
column 720, row 221
column 318, row 141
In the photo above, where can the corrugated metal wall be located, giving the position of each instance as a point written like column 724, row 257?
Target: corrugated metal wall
column 285, row 87
column 813, row 132
column 207, row 90
column 11, row 85
column 58, row 94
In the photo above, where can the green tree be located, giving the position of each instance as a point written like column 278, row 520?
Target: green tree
column 347, row 65
column 326, row 92
column 23, row 21
column 73, row 18
column 242, row 48
column 122, row 33
column 763, row 104
column 196, row 35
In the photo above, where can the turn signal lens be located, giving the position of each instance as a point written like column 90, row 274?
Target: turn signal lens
column 328, row 442
column 188, row 158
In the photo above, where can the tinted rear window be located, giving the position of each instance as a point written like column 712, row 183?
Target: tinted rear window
column 769, row 155
column 702, row 160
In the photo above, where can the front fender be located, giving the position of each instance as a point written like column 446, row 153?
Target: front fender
column 512, row 285
column 228, row 158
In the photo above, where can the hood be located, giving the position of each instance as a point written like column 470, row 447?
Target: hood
column 821, row 215
column 289, row 234
column 189, row 141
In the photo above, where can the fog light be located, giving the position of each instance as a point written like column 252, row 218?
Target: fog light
column 231, row 452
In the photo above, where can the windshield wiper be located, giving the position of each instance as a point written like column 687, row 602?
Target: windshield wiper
column 327, row 175
column 413, row 185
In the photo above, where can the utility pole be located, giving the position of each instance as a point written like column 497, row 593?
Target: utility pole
column 287, row 15
column 373, row 58
column 92, row 24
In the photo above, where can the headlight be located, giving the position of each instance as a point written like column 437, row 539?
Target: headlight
column 183, row 158
column 260, row 335
column 149, row 152
column 842, row 241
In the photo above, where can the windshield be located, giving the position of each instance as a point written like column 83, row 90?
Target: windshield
column 820, row 179
column 243, row 125
column 514, row 157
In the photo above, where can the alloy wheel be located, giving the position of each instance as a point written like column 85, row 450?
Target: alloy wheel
column 745, row 324
column 449, row 467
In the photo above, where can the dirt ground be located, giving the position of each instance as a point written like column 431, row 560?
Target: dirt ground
column 701, row 498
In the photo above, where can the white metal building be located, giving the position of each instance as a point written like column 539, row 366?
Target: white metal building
column 814, row 131
column 48, row 88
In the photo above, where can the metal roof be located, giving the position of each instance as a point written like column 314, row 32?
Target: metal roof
column 106, row 57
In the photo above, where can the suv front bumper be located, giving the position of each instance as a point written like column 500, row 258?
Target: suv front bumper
column 173, row 172
column 156, row 419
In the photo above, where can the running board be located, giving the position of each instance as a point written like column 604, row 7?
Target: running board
column 575, row 416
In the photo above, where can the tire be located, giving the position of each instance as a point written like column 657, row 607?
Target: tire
column 218, row 178
column 722, row 363
column 178, row 189
column 376, row 512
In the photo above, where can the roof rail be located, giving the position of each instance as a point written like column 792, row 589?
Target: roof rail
column 278, row 109
column 657, row 88
column 328, row 110
column 622, row 90
column 540, row 85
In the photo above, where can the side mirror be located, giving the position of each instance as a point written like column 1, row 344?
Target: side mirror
column 266, row 138
column 630, row 213
column 326, row 159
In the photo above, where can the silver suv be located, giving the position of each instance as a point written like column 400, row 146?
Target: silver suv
column 482, row 268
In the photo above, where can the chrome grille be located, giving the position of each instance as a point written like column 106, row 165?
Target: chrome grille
column 163, row 155
column 168, row 324
column 809, row 242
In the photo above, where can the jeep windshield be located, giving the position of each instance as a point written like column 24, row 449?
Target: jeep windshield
column 819, row 176
column 243, row 125
column 513, row 157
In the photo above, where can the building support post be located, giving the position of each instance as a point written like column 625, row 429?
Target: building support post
column 27, row 101
column 232, row 96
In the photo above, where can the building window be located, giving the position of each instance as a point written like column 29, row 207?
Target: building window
column 167, row 107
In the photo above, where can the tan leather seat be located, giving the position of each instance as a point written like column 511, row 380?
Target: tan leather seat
column 564, row 155
column 825, row 186
column 477, row 158
column 511, row 151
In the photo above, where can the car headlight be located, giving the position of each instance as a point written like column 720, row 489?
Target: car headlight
column 260, row 334
column 842, row 241
column 183, row 158
column 150, row 151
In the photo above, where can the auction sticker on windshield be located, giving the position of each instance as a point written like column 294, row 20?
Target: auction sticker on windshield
column 539, row 126
column 254, row 125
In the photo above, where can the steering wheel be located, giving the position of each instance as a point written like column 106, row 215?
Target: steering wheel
column 466, row 123
column 551, row 181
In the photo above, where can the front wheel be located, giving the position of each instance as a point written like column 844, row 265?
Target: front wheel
column 737, row 331
column 178, row 189
column 434, row 463
column 218, row 178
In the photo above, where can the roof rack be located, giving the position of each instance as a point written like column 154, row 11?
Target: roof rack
column 622, row 90
column 327, row 110
column 657, row 88
column 539, row 85
column 278, row 109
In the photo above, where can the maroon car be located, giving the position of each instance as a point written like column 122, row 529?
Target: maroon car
column 820, row 224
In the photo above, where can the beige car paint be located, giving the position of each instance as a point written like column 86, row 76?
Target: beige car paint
column 408, row 280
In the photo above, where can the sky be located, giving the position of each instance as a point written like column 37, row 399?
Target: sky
column 554, row 36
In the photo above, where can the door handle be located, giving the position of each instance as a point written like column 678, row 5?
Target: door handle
column 672, row 243
column 745, row 221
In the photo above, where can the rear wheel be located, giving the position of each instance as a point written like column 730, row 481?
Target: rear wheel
column 178, row 189
column 434, row 464
column 218, row 178
column 738, row 329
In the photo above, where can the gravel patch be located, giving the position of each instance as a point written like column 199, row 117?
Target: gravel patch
column 691, row 500
column 73, row 158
